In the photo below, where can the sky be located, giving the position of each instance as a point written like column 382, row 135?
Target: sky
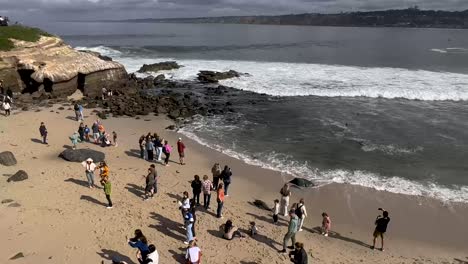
column 46, row 10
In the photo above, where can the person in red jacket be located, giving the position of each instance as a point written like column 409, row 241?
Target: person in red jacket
column 181, row 149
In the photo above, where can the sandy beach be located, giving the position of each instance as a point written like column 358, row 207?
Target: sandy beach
column 55, row 218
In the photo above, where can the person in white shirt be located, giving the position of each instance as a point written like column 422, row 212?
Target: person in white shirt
column 153, row 256
column 193, row 254
column 6, row 107
column 275, row 209
column 90, row 167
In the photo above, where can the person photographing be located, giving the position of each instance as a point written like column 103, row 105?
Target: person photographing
column 381, row 223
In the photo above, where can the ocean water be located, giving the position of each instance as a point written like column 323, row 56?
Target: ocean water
column 381, row 108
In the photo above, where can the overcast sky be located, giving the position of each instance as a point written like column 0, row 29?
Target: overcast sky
column 30, row 10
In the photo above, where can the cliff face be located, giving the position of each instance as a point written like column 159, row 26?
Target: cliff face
column 50, row 65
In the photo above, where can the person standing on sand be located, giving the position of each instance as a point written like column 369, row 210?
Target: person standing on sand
column 226, row 176
column 150, row 181
column 76, row 107
column 188, row 223
column 43, row 131
column 7, row 108
column 75, row 138
column 275, row 210
column 216, row 171
column 103, row 93
column 142, row 144
column 103, row 171
column 90, row 167
column 81, row 131
column 107, row 191
column 86, row 133
column 299, row 255
column 285, row 194
column 184, row 203
column 207, row 188
column 301, row 213
column 196, row 189
column 95, row 129
column 193, row 254
column 158, row 143
column 326, row 224
column 220, row 200
column 114, row 138
column 80, row 107
column 193, row 210
column 292, row 229
column 181, row 150
column 381, row 224
column 167, row 151
column 2, row 89
column 149, row 149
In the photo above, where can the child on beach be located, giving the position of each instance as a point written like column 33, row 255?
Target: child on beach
column 114, row 138
column 75, row 138
column 86, row 132
column 275, row 210
column 326, row 224
column 253, row 229
column 103, row 171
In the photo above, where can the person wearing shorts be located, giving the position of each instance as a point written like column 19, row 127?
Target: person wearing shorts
column 381, row 224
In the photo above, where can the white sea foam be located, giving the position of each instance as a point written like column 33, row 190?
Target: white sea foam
column 390, row 149
column 286, row 164
column 300, row 79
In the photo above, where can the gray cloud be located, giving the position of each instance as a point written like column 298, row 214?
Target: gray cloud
column 115, row 9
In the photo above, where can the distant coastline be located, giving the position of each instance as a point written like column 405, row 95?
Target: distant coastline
column 405, row 18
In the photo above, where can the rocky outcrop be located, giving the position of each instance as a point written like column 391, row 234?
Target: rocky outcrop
column 51, row 66
column 80, row 155
column 7, row 158
column 21, row 175
column 214, row 77
column 161, row 66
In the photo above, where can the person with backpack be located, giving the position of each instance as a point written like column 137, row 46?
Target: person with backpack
column 301, row 213
column 226, row 176
column 167, row 151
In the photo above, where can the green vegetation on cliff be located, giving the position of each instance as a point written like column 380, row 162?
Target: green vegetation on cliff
column 20, row 33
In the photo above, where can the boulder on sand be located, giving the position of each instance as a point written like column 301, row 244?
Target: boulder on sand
column 21, row 175
column 161, row 66
column 214, row 77
column 302, row 182
column 7, row 158
column 80, row 155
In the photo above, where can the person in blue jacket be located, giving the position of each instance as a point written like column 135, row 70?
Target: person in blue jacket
column 141, row 243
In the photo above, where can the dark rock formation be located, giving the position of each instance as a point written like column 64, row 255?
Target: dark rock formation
column 80, row 155
column 17, row 256
column 4, row 201
column 214, row 77
column 21, row 175
column 7, row 158
column 160, row 66
column 302, row 182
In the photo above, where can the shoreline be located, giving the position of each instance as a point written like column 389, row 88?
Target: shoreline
column 417, row 228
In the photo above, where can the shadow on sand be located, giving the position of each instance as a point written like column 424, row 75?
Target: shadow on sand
column 332, row 234
column 135, row 189
column 114, row 256
column 91, row 199
column 35, row 140
column 262, row 239
column 168, row 227
column 78, row 182
column 281, row 222
column 133, row 153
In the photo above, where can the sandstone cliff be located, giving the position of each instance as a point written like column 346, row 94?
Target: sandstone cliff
column 54, row 67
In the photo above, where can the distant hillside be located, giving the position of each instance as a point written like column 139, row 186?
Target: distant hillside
column 412, row 17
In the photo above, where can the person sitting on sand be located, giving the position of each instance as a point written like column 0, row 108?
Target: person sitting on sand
column 181, row 150
column 193, row 254
column 292, row 229
column 216, row 171
column 43, row 132
column 326, row 224
column 285, row 194
column 141, row 243
column 230, row 231
column 298, row 255
column 90, row 167
column 381, row 224
column 207, row 188
column 103, row 171
column 253, row 230
column 301, row 212
column 75, row 138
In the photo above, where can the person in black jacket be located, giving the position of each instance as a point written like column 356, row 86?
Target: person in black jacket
column 226, row 176
column 43, row 131
column 196, row 188
column 298, row 255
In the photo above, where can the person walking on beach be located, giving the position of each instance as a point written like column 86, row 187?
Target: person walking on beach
column 43, row 132
column 326, row 224
column 7, row 108
column 226, row 176
column 298, row 255
column 95, row 129
column 76, row 107
column 114, row 138
column 220, row 200
column 167, row 151
column 275, row 209
column 193, row 211
column 150, row 182
column 301, row 213
column 207, row 188
column 181, row 150
column 80, row 109
column 81, row 131
column 149, row 149
column 292, row 229
column 107, row 191
column 75, row 138
column 141, row 243
column 188, row 223
column 216, row 171
column 381, row 224
column 196, row 189
column 193, row 254
column 90, row 167
column 284, row 204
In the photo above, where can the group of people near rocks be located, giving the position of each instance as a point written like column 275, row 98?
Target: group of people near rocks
column 96, row 134
column 153, row 146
